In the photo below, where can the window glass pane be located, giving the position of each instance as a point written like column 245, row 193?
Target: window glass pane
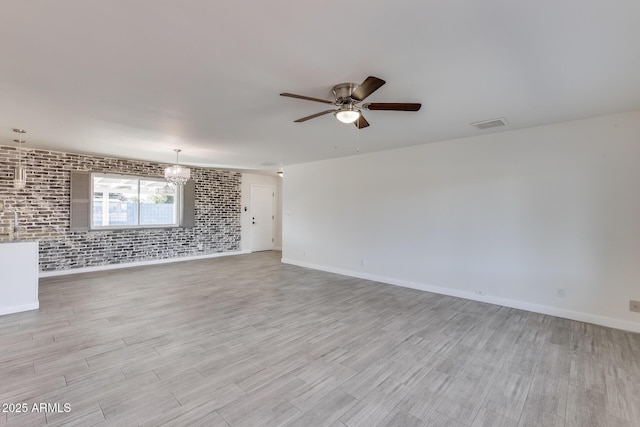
column 121, row 201
column 157, row 203
column 115, row 202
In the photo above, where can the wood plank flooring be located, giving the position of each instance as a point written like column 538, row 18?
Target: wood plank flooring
column 246, row 341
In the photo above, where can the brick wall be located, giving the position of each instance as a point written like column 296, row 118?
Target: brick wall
column 44, row 208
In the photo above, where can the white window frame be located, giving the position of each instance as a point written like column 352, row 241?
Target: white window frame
column 177, row 205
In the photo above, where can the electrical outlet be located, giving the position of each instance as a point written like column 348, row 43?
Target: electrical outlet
column 562, row 293
column 634, row 306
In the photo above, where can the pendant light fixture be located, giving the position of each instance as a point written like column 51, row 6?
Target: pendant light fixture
column 177, row 174
column 19, row 173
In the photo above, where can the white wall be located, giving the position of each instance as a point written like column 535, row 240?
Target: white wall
column 249, row 179
column 507, row 218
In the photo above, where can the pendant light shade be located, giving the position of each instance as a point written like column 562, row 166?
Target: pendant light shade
column 19, row 173
column 19, row 178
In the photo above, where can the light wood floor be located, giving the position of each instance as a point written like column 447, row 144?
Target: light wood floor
column 247, row 341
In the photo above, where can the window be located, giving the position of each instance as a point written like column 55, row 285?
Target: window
column 120, row 201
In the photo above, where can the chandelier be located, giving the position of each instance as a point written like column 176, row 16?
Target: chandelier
column 177, row 174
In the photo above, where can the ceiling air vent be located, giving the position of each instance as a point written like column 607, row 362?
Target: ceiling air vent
column 488, row 124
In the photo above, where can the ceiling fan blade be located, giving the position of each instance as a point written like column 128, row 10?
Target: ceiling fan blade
column 361, row 122
column 393, row 106
column 313, row 116
column 370, row 85
column 308, row 98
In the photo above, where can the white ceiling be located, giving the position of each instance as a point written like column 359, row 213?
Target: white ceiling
column 136, row 79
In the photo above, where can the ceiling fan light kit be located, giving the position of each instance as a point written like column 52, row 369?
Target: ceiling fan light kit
column 347, row 114
column 347, row 96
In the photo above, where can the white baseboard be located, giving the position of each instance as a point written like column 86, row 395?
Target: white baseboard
column 136, row 264
column 19, row 308
column 522, row 305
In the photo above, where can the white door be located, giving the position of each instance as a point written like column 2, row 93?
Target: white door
column 262, row 217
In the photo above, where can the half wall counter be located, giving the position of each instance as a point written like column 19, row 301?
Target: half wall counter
column 18, row 276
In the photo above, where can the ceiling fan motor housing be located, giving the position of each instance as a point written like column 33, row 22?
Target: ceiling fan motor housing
column 342, row 92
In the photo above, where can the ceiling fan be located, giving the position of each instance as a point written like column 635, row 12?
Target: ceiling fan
column 347, row 96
